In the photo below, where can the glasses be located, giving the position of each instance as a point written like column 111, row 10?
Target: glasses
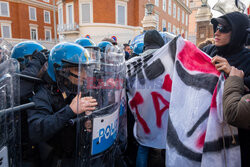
column 223, row 29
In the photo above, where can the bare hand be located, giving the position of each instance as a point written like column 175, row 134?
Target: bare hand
column 221, row 64
column 236, row 72
column 84, row 104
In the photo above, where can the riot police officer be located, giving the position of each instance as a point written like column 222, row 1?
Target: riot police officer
column 138, row 49
column 103, row 45
column 31, row 57
column 25, row 51
column 85, row 42
column 59, row 101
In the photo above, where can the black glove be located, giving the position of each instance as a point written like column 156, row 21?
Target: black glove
column 42, row 55
column 45, row 52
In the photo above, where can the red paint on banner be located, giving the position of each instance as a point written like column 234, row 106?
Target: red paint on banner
column 137, row 99
column 194, row 59
column 159, row 112
column 201, row 140
column 167, row 84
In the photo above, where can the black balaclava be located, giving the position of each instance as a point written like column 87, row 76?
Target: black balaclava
column 239, row 23
column 152, row 40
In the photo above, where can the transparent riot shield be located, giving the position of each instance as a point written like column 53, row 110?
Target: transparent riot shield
column 10, row 152
column 98, row 130
column 5, row 49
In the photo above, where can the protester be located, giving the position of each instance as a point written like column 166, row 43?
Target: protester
column 236, row 107
column 229, row 50
column 127, row 50
column 152, row 42
column 230, row 36
column 56, row 103
column 236, row 103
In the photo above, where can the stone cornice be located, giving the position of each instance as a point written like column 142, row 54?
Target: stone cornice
column 109, row 25
column 184, row 6
column 35, row 3
column 123, row 0
column 58, row 2
column 47, row 27
column 6, row 21
column 33, row 25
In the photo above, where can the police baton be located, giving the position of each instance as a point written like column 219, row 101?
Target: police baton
column 19, row 108
column 30, row 78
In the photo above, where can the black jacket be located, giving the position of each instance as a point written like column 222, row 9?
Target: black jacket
column 240, row 60
column 27, row 89
column 27, row 86
column 48, row 122
column 239, row 56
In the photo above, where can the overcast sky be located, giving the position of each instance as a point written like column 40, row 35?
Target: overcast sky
column 217, row 14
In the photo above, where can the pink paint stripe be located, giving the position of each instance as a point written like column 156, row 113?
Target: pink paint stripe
column 194, row 59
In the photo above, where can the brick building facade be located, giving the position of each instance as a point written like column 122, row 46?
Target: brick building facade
column 120, row 18
column 27, row 20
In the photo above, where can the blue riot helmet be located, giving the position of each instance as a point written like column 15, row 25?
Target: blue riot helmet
column 103, row 45
column 138, row 49
column 66, row 66
column 23, row 52
column 86, row 43
column 92, row 48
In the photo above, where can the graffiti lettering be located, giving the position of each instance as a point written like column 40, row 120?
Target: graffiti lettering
column 159, row 112
column 134, row 103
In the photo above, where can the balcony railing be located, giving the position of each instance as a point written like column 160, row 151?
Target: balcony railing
column 67, row 27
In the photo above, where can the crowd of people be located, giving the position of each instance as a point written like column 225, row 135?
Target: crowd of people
column 49, row 140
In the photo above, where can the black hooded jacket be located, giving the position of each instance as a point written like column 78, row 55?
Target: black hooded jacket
column 239, row 56
column 235, row 52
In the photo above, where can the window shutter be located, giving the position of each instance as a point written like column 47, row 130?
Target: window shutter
column 48, row 37
column 70, row 14
column 121, row 15
column 85, row 13
column 4, row 9
column 6, row 31
column 32, row 14
column 60, row 14
column 47, row 16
